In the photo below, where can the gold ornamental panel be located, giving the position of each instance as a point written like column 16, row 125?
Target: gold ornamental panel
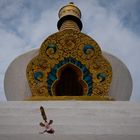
column 73, row 48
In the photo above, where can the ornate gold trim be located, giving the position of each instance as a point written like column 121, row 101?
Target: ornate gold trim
column 80, row 98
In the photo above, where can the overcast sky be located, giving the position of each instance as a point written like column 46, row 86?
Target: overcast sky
column 114, row 24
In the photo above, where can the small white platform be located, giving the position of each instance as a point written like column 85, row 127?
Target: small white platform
column 73, row 120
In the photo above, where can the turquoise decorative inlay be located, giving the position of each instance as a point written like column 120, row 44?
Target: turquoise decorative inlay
column 101, row 76
column 86, row 74
column 38, row 76
column 86, row 48
column 52, row 46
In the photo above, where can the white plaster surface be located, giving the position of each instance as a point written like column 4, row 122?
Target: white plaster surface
column 15, row 83
column 121, row 86
column 73, row 120
column 17, row 89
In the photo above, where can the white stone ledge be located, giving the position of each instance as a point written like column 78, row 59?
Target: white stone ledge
column 73, row 120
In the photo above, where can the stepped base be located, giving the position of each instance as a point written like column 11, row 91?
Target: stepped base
column 68, row 137
column 73, row 120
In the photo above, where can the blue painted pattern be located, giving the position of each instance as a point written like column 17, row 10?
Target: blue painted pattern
column 38, row 76
column 86, row 74
column 52, row 46
column 87, row 47
column 101, row 76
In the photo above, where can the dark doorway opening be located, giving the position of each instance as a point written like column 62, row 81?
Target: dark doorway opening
column 69, row 83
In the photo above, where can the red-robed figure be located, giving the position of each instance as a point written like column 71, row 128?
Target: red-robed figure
column 46, row 124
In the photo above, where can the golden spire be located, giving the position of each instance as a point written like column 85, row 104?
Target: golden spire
column 70, row 9
column 70, row 16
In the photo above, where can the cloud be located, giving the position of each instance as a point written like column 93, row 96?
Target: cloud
column 113, row 24
column 10, row 9
column 127, row 12
column 34, row 32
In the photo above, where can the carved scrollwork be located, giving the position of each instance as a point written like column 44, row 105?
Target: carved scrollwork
column 87, row 49
column 51, row 50
column 38, row 76
column 101, row 76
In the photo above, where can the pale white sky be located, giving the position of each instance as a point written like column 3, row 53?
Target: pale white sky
column 114, row 24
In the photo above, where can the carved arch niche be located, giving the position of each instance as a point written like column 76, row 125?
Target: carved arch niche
column 70, row 82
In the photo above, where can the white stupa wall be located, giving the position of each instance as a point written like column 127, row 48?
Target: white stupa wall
column 73, row 120
column 121, row 86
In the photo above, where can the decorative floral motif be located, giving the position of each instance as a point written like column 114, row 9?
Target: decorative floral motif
column 38, row 76
column 101, row 76
column 50, row 50
column 42, row 90
column 43, row 64
column 87, row 49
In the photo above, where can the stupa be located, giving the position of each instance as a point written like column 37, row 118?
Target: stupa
column 69, row 66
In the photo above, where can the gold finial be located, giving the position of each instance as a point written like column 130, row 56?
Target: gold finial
column 70, row 9
column 71, row 3
column 70, row 16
